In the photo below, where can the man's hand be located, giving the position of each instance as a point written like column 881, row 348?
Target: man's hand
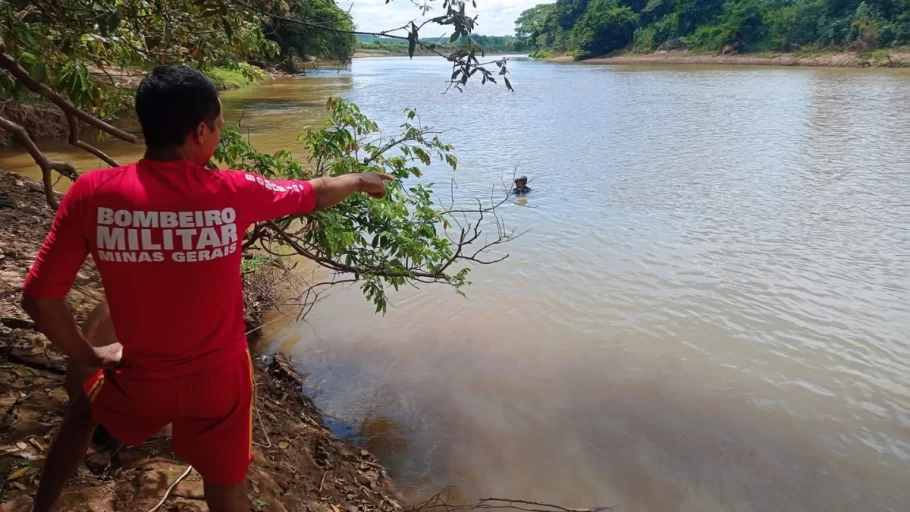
column 331, row 191
column 108, row 356
column 373, row 184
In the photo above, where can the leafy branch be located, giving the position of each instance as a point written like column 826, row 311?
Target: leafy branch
column 404, row 239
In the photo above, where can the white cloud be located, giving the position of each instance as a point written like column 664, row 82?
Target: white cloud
column 495, row 17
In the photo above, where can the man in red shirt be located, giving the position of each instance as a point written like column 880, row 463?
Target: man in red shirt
column 165, row 234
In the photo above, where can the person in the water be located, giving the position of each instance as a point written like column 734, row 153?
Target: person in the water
column 521, row 186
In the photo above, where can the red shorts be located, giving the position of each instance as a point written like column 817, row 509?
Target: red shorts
column 211, row 414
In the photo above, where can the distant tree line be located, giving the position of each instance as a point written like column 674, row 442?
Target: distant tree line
column 587, row 28
column 489, row 44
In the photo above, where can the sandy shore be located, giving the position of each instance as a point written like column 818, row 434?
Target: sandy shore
column 841, row 59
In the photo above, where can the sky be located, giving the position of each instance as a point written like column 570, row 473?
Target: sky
column 496, row 17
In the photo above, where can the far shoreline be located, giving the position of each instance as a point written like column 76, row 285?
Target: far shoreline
column 881, row 58
column 369, row 54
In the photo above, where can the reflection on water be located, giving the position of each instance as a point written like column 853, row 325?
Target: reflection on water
column 710, row 312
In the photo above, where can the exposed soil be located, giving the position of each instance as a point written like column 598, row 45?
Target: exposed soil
column 40, row 119
column 300, row 465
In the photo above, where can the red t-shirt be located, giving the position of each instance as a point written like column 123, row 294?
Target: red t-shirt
column 166, row 239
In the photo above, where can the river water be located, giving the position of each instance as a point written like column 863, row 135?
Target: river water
column 710, row 311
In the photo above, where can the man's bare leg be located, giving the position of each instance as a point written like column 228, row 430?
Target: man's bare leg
column 66, row 453
column 226, row 498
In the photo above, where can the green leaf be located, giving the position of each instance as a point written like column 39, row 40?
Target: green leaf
column 454, row 37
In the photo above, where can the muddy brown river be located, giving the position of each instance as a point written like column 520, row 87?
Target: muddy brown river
column 710, row 312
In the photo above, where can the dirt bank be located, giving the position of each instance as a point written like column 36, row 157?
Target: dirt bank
column 842, row 59
column 43, row 120
column 300, row 464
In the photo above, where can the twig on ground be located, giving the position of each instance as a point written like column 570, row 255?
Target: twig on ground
column 171, row 488
column 440, row 502
column 322, row 483
column 261, row 424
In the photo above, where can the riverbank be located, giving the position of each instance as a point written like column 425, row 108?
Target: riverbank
column 299, row 464
column 43, row 120
column 880, row 58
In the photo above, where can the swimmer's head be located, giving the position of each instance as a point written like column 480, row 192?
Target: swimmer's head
column 521, row 181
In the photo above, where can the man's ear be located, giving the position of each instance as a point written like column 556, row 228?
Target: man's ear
column 199, row 133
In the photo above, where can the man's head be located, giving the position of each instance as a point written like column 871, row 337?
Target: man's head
column 521, row 181
column 179, row 109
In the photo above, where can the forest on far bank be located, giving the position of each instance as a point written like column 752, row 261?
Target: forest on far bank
column 489, row 44
column 589, row 28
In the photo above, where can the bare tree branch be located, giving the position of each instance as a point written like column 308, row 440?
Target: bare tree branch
column 13, row 67
column 470, row 235
column 46, row 165
column 73, row 116
column 73, row 123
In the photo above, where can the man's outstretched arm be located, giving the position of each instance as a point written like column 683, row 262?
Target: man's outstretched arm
column 331, row 191
column 264, row 199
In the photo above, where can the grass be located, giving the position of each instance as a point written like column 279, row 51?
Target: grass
column 876, row 57
column 542, row 54
column 233, row 78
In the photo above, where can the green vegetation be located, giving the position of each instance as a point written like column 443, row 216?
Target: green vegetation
column 406, row 238
column 241, row 76
column 310, row 40
column 596, row 27
column 72, row 45
column 542, row 54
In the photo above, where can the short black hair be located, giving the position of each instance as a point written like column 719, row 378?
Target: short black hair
column 171, row 102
